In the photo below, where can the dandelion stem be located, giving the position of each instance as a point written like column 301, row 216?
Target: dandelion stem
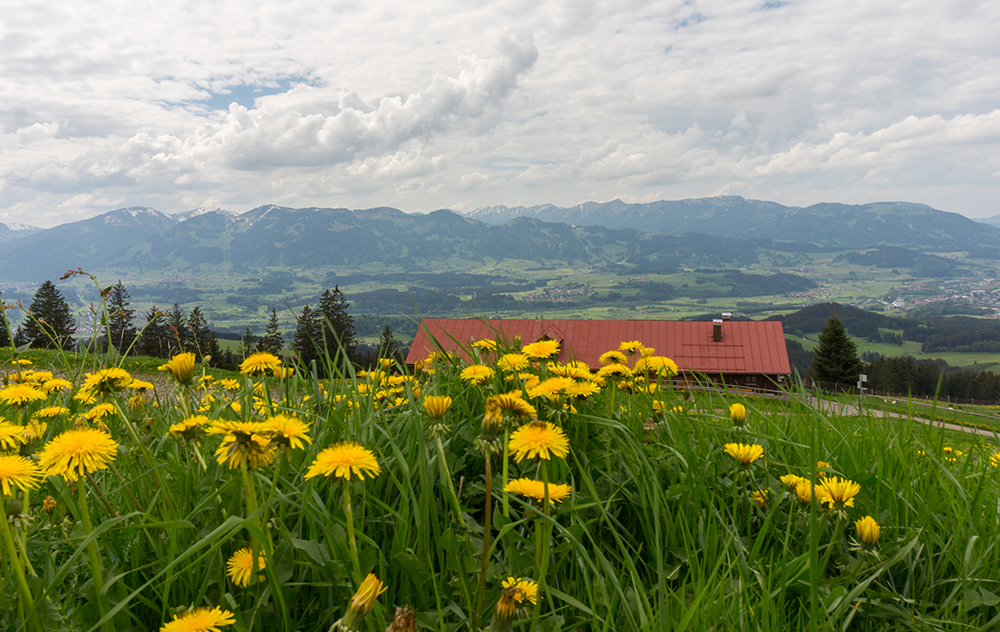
column 22, row 583
column 506, row 466
column 104, row 501
column 487, row 524
column 446, row 474
column 94, row 558
column 545, row 527
column 349, row 519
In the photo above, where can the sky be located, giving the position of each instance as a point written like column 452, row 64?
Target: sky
column 462, row 104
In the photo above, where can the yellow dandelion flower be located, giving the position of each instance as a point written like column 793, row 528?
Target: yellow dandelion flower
column 745, row 454
column 512, row 362
column 19, row 395
column 18, row 471
column 804, row 490
column 342, row 460
column 540, row 439
column 229, row 384
column 485, row 344
column 260, row 363
column 581, row 390
column 181, row 367
column 240, row 566
column 573, row 370
column 512, row 405
column 630, row 348
column 436, row 405
column 837, row 493
column 541, row 350
column 49, row 504
column 104, row 382
column 613, row 357
column 868, row 530
column 551, row 389
column 190, row 428
column 535, row 490
column 22, row 362
column 516, row 593
column 660, row 365
column 236, row 448
column 51, row 411
column 11, row 435
column 85, row 396
column 141, row 385
column 792, row 481
column 287, row 432
column 822, row 468
column 614, row 371
column 77, row 452
column 56, row 384
column 477, row 374
column 759, row 497
column 35, row 430
column 200, row 620
column 995, row 459
column 99, row 412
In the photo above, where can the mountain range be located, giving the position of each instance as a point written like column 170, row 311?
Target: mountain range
column 724, row 231
column 883, row 223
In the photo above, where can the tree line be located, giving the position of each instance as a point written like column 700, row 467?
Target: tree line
column 324, row 338
column 836, row 362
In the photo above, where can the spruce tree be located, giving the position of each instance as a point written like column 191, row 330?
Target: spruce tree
column 202, row 341
column 308, row 339
column 154, row 339
column 249, row 343
column 338, row 326
column 273, row 340
column 50, row 322
column 836, row 359
column 177, row 331
column 121, row 332
column 388, row 346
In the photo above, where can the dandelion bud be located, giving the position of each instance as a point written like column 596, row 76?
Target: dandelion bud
column 738, row 413
column 361, row 603
column 487, row 441
column 49, row 505
column 868, row 530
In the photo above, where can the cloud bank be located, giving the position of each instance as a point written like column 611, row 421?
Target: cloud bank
column 457, row 105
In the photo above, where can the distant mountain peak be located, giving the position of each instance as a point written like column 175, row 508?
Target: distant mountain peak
column 201, row 210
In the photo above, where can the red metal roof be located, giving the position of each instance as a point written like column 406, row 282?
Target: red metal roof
column 752, row 347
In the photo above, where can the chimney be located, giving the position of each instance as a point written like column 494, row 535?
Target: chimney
column 716, row 330
column 726, row 315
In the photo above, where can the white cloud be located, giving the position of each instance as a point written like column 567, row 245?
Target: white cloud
column 366, row 104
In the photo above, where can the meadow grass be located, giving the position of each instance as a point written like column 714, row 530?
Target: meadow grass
column 662, row 529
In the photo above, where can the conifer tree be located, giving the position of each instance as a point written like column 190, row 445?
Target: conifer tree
column 154, row 339
column 177, row 331
column 308, row 339
column 273, row 340
column 338, row 326
column 121, row 332
column 388, row 346
column 249, row 343
column 836, row 358
column 201, row 340
column 50, row 323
